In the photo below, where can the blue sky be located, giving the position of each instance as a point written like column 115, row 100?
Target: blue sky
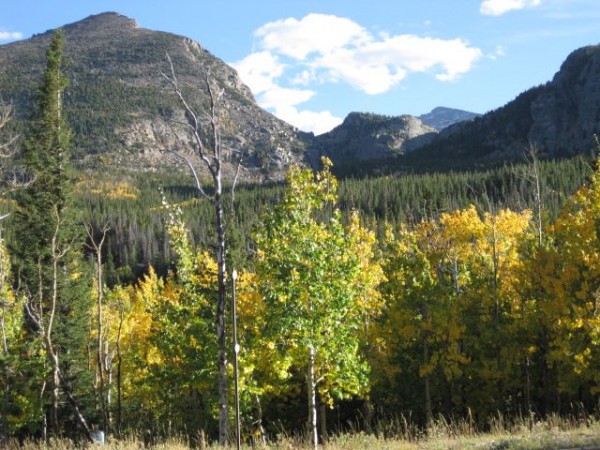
column 311, row 62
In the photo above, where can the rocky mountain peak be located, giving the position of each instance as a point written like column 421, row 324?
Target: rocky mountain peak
column 560, row 118
column 107, row 21
column 366, row 136
column 441, row 117
column 121, row 109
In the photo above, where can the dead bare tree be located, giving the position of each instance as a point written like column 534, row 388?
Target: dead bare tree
column 44, row 323
column 7, row 112
column 10, row 181
column 211, row 157
column 103, row 363
column 534, row 177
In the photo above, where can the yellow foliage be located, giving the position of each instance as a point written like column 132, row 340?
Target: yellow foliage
column 110, row 189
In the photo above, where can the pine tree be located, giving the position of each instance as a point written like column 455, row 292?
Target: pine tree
column 48, row 253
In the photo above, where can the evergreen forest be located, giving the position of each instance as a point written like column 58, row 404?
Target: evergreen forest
column 358, row 299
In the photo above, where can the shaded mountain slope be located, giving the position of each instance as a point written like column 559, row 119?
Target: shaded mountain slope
column 120, row 107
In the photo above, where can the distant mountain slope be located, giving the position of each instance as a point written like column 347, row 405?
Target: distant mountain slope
column 442, row 117
column 560, row 118
column 366, row 136
column 119, row 104
column 122, row 111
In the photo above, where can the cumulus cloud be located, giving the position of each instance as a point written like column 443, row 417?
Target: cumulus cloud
column 315, row 33
column 322, row 48
column 259, row 70
column 10, row 35
column 316, row 121
column 278, row 95
column 499, row 7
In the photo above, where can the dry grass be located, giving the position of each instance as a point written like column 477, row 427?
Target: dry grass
column 553, row 433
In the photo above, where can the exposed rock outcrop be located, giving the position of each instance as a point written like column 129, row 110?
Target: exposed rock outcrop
column 365, row 136
column 121, row 108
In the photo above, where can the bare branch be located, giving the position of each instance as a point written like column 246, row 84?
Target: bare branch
column 190, row 165
column 90, row 232
column 236, row 177
column 192, row 116
column 34, row 316
column 6, row 114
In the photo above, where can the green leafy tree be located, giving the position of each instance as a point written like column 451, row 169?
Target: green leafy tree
column 318, row 282
column 48, row 254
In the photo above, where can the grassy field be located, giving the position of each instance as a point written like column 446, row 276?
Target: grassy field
column 553, row 433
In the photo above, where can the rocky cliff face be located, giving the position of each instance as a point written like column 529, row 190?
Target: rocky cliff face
column 559, row 118
column 566, row 115
column 365, row 136
column 122, row 110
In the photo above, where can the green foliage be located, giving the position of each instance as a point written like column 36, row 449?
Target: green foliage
column 131, row 204
column 48, row 266
column 318, row 283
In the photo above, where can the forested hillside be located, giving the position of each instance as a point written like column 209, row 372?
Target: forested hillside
column 131, row 204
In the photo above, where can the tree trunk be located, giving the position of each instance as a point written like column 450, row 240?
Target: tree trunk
column 323, row 421
column 220, row 319
column 312, row 401
column 211, row 157
column 101, row 352
column 6, row 374
column 55, row 393
column 119, row 366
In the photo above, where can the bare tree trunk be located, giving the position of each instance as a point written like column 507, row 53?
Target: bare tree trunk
column 220, row 318
column 101, row 354
column 212, row 159
column 44, row 328
column 119, row 366
column 312, row 400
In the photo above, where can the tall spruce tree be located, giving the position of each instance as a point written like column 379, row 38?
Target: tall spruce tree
column 48, row 250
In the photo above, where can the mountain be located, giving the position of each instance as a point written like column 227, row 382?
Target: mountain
column 559, row 118
column 442, row 117
column 122, row 110
column 365, row 136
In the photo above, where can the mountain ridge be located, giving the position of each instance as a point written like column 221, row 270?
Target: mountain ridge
column 559, row 118
column 442, row 117
column 123, row 113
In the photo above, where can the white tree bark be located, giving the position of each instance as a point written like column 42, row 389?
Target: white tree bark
column 211, row 158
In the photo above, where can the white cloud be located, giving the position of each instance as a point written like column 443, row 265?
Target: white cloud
column 258, row 70
column 318, row 122
column 315, row 33
column 279, row 96
column 10, row 35
column 499, row 52
column 323, row 48
column 499, row 7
